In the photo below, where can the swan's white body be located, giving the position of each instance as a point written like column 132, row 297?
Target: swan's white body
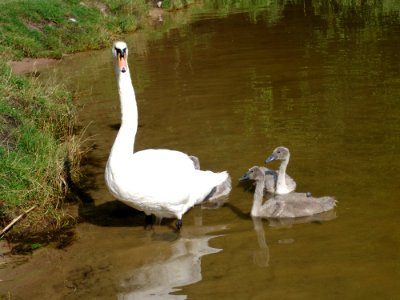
column 156, row 181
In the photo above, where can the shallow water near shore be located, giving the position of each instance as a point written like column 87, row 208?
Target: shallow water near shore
column 229, row 89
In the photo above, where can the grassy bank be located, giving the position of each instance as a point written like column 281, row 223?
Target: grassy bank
column 39, row 151
column 36, row 142
column 41, row 28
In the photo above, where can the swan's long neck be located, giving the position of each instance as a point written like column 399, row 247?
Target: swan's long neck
column 125, row 140
column 281, row 181
column 258, row 197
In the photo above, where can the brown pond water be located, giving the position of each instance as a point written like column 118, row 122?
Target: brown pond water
column 229, row 90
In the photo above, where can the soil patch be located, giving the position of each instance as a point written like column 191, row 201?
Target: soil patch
column 31, row 65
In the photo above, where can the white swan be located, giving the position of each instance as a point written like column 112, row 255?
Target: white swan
column 161, row 182
column 285, row 206
column 284, row 183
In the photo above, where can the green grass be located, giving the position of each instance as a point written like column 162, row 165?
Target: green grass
column 38, row 28
column 39, row 150
column 36, row 139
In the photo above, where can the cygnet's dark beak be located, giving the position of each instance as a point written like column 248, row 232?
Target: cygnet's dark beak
column 244, row 177
column 271, row 158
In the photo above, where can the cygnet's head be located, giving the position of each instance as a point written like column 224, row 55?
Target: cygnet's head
column 120, row 54
column 254, row 173
column 280, row 153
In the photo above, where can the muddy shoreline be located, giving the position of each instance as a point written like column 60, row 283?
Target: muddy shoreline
column 31, row 65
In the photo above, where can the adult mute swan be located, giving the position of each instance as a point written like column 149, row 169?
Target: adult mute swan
column 284, row 184
column 291, row 205
column 161, row 182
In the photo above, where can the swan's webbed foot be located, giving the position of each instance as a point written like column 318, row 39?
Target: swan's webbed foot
column 148, row 222
column 178, row 224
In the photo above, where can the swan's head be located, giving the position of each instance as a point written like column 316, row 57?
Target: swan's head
column 120, row 54
column 280, row 153
column 254, row 173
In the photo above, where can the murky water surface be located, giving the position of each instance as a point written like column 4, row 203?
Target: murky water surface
column 229, row 90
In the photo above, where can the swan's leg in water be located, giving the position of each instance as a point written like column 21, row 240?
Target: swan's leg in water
column 178, row 224
column 148, row 222
column 158, row 221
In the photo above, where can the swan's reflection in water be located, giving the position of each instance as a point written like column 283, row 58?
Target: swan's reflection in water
column 261, row 255
column 164, row 276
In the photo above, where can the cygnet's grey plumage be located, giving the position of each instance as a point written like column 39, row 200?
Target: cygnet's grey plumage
column 285, row 206
column 271, row 178
column 284, row 184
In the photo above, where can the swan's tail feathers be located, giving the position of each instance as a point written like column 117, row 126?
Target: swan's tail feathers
column 220, row 192
column 196, row 161
column 210, row 186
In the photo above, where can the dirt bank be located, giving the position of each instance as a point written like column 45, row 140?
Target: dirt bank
column 31, row 65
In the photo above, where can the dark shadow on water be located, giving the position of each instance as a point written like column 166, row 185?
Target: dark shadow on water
column 242, row 215
column 111, row 214
column 78, row 192
column 169, row 236
column 116, row 126
column 247, row 185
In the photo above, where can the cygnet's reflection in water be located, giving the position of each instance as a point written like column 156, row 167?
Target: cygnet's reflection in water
column 162, row 277
column 261, row 255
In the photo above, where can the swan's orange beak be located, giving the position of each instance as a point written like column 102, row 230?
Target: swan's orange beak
column 122, row 65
